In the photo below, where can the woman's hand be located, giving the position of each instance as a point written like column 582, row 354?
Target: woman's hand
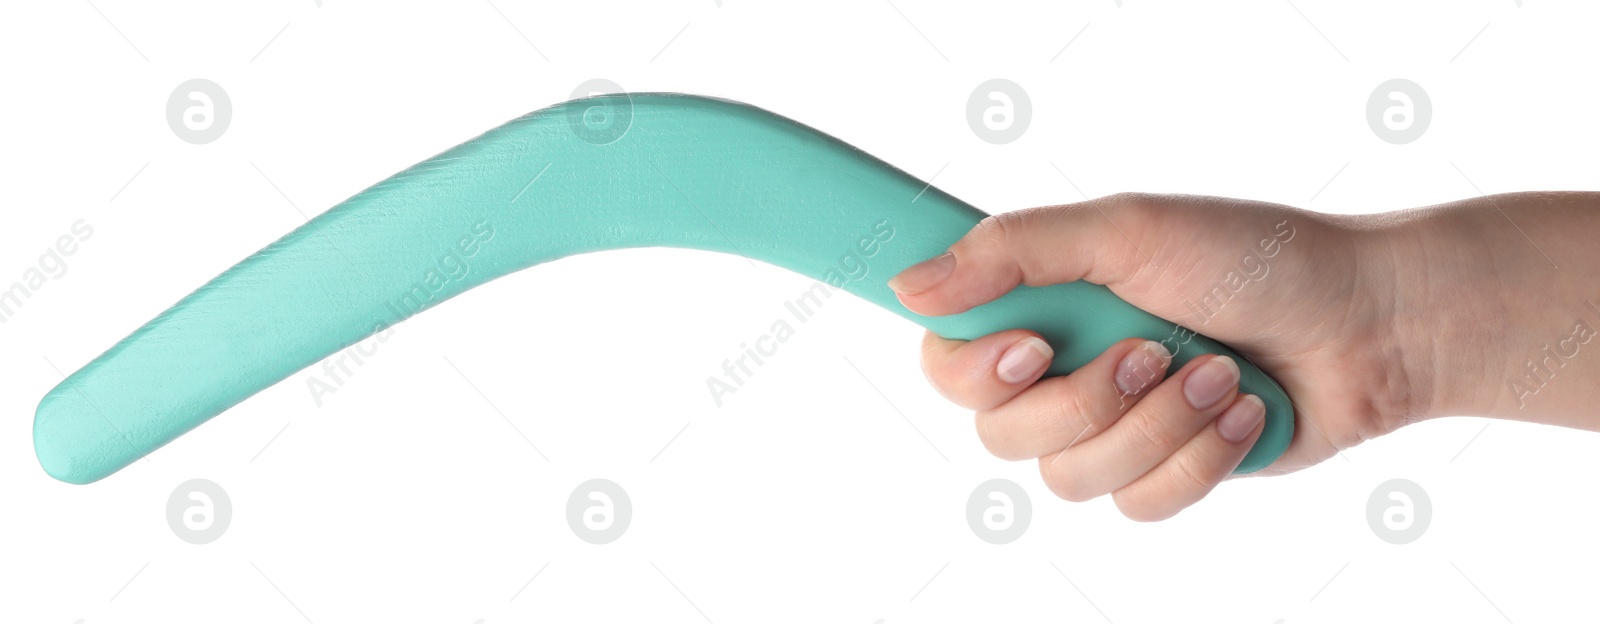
column 1362, row 320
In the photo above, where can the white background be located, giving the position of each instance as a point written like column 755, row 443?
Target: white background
column 807, row 496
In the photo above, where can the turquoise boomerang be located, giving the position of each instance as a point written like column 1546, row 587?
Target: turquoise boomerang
column 608, row 172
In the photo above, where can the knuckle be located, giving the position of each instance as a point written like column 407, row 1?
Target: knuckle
column 1188, row 476
column 932, row 364
column 1134, row 199
column 1133, row 215
column 1134, row 207
column 948, row 373
column 1072, row 410
column 988, row 425
column 1151, row 429
column 998, row 231
column 936, row 367
column 1006, row 225
column 1123, row 198
column 1063, row 484
column 994, row 228
column 1140, row 508
column 942, row 381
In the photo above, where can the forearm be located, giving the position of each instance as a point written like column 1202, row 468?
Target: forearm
column 1496, row 304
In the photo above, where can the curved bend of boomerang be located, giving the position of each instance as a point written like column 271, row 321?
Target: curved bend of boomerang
column 609, row 172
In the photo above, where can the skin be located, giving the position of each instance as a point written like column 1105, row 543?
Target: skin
column 1369, row 322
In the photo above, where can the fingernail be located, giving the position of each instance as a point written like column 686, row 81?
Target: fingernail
column 1207, row 384
column 1024, row 359
column 1237, row 423
column 1143, row 367
column 923, row 276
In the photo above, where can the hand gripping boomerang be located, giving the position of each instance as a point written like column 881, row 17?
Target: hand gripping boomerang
column 608, row 172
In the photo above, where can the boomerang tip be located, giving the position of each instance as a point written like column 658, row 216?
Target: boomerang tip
column 75, row 446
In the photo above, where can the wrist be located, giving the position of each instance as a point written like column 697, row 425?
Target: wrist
column 1484, row 320
column 1440, row 313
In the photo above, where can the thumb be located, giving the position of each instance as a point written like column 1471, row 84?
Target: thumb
column 1092, row 240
